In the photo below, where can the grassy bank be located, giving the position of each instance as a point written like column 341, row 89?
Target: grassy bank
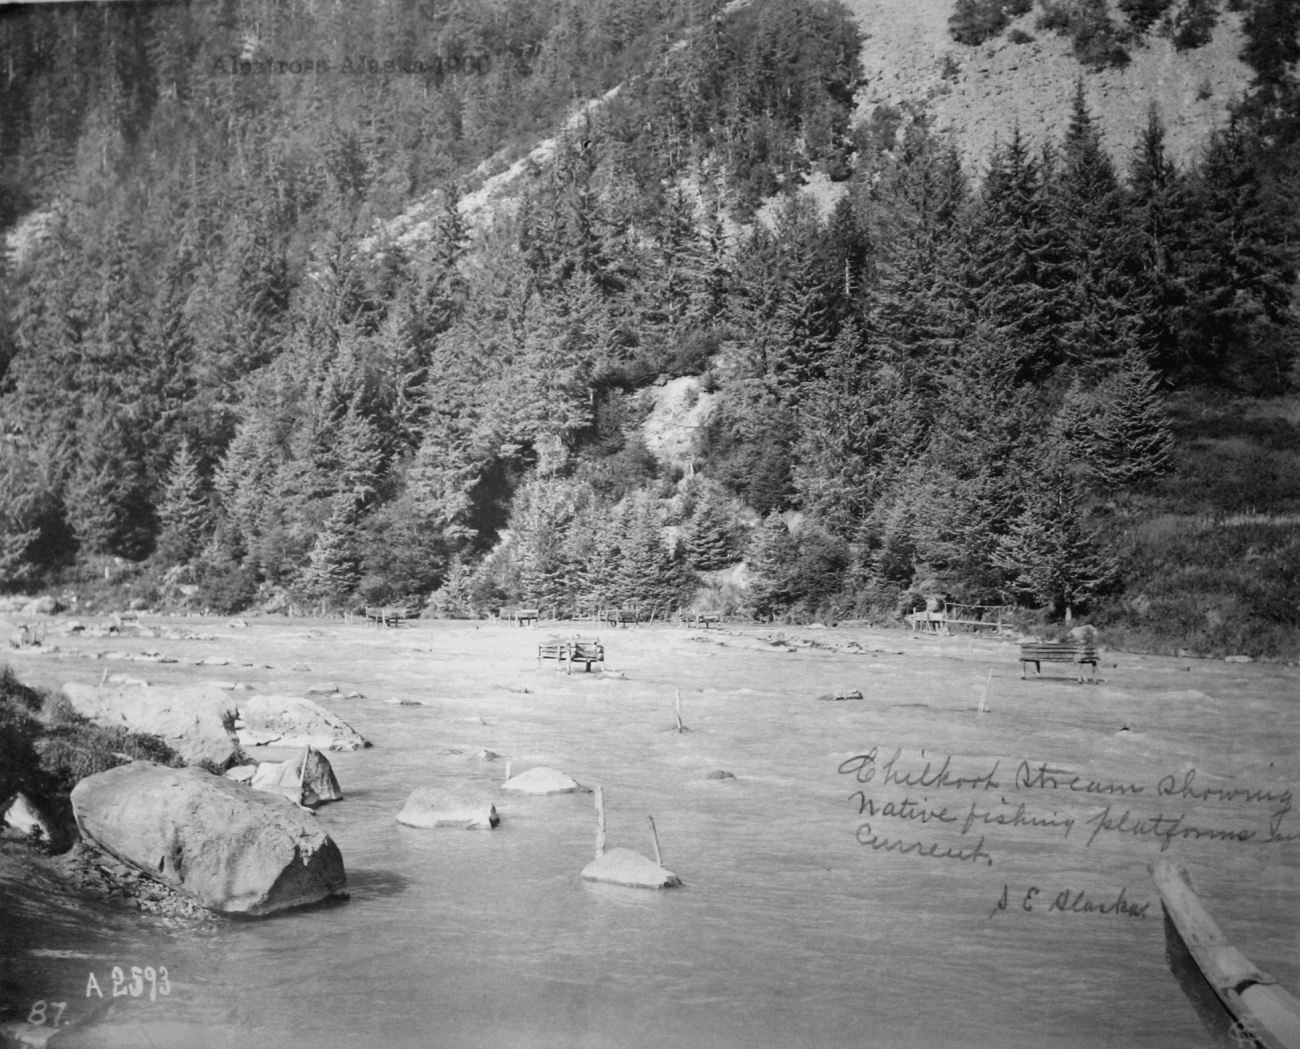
column 46, row 748
column 1211, row 555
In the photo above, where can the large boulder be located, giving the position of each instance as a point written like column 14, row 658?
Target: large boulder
column 291, row 721
column 47, row 605
column 427, row 807
column 197, row 721
column 308, row 780
column 234, row 850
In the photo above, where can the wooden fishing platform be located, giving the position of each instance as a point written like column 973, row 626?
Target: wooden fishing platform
column 1039, row 652
column 976, row 617
column 573, row 650
column 390, row 617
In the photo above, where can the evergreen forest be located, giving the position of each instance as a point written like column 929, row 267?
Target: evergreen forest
column 264, row 344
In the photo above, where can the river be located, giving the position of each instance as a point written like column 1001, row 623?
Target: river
column 788, row 931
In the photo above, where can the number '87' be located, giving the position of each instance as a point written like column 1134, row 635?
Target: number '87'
column 156, row 978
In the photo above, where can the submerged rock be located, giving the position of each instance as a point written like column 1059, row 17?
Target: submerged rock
column 427, row 807
column 621, row 866
column 842, row 696
column 291, row 721
column 543, row 780
column 197, row 721
column 126, row 679
column 234, row 850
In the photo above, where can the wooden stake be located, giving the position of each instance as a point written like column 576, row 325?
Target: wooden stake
column 984, row 699
column 103, row 677
column 677, row 708
column 659, row 859
column 600, row 823
column 507, row 770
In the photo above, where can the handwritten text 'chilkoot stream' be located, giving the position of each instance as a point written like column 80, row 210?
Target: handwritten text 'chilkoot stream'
column 932, row 808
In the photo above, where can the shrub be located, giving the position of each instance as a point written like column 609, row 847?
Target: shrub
column 1143, row 14
column 19, row 730
column 73, row 748
column 975, row 21
column 227, row 588
column 46, row 747
column 1098, row 42
column 1193, row 26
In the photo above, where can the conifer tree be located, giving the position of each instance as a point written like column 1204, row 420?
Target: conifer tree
column 1134, row 442
column 1101, row 265
column 458, row 427
column 1158, row 213
column 1241, row 269
column 1014, row 276
column 647, row 574
column 770, row 557
column 1047, row 555
column 334, row 565
column 916, row 209
column 981, row 446
column 104, row 496
column 543, row 515
column 598, row 583
column 359, row 453
column 183, row 511
column 21, row 499
column 858, row 428
column 710, row 535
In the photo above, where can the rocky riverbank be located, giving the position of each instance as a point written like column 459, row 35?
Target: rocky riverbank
column 86, row 873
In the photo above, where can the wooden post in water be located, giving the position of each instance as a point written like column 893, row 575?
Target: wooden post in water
column 677, row 708
column 659, row 859
column 600, row 823
column 984, row 699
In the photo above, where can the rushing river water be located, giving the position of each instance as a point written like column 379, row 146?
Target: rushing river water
column 787, row 932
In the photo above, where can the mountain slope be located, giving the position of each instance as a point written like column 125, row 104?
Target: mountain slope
column 979, row 93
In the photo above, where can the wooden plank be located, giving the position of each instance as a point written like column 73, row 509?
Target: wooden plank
column 1266, row 1014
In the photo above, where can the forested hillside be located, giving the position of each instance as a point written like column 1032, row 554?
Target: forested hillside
column 1025, row 388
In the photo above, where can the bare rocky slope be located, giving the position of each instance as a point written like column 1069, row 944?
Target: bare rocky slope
column 979, row 94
